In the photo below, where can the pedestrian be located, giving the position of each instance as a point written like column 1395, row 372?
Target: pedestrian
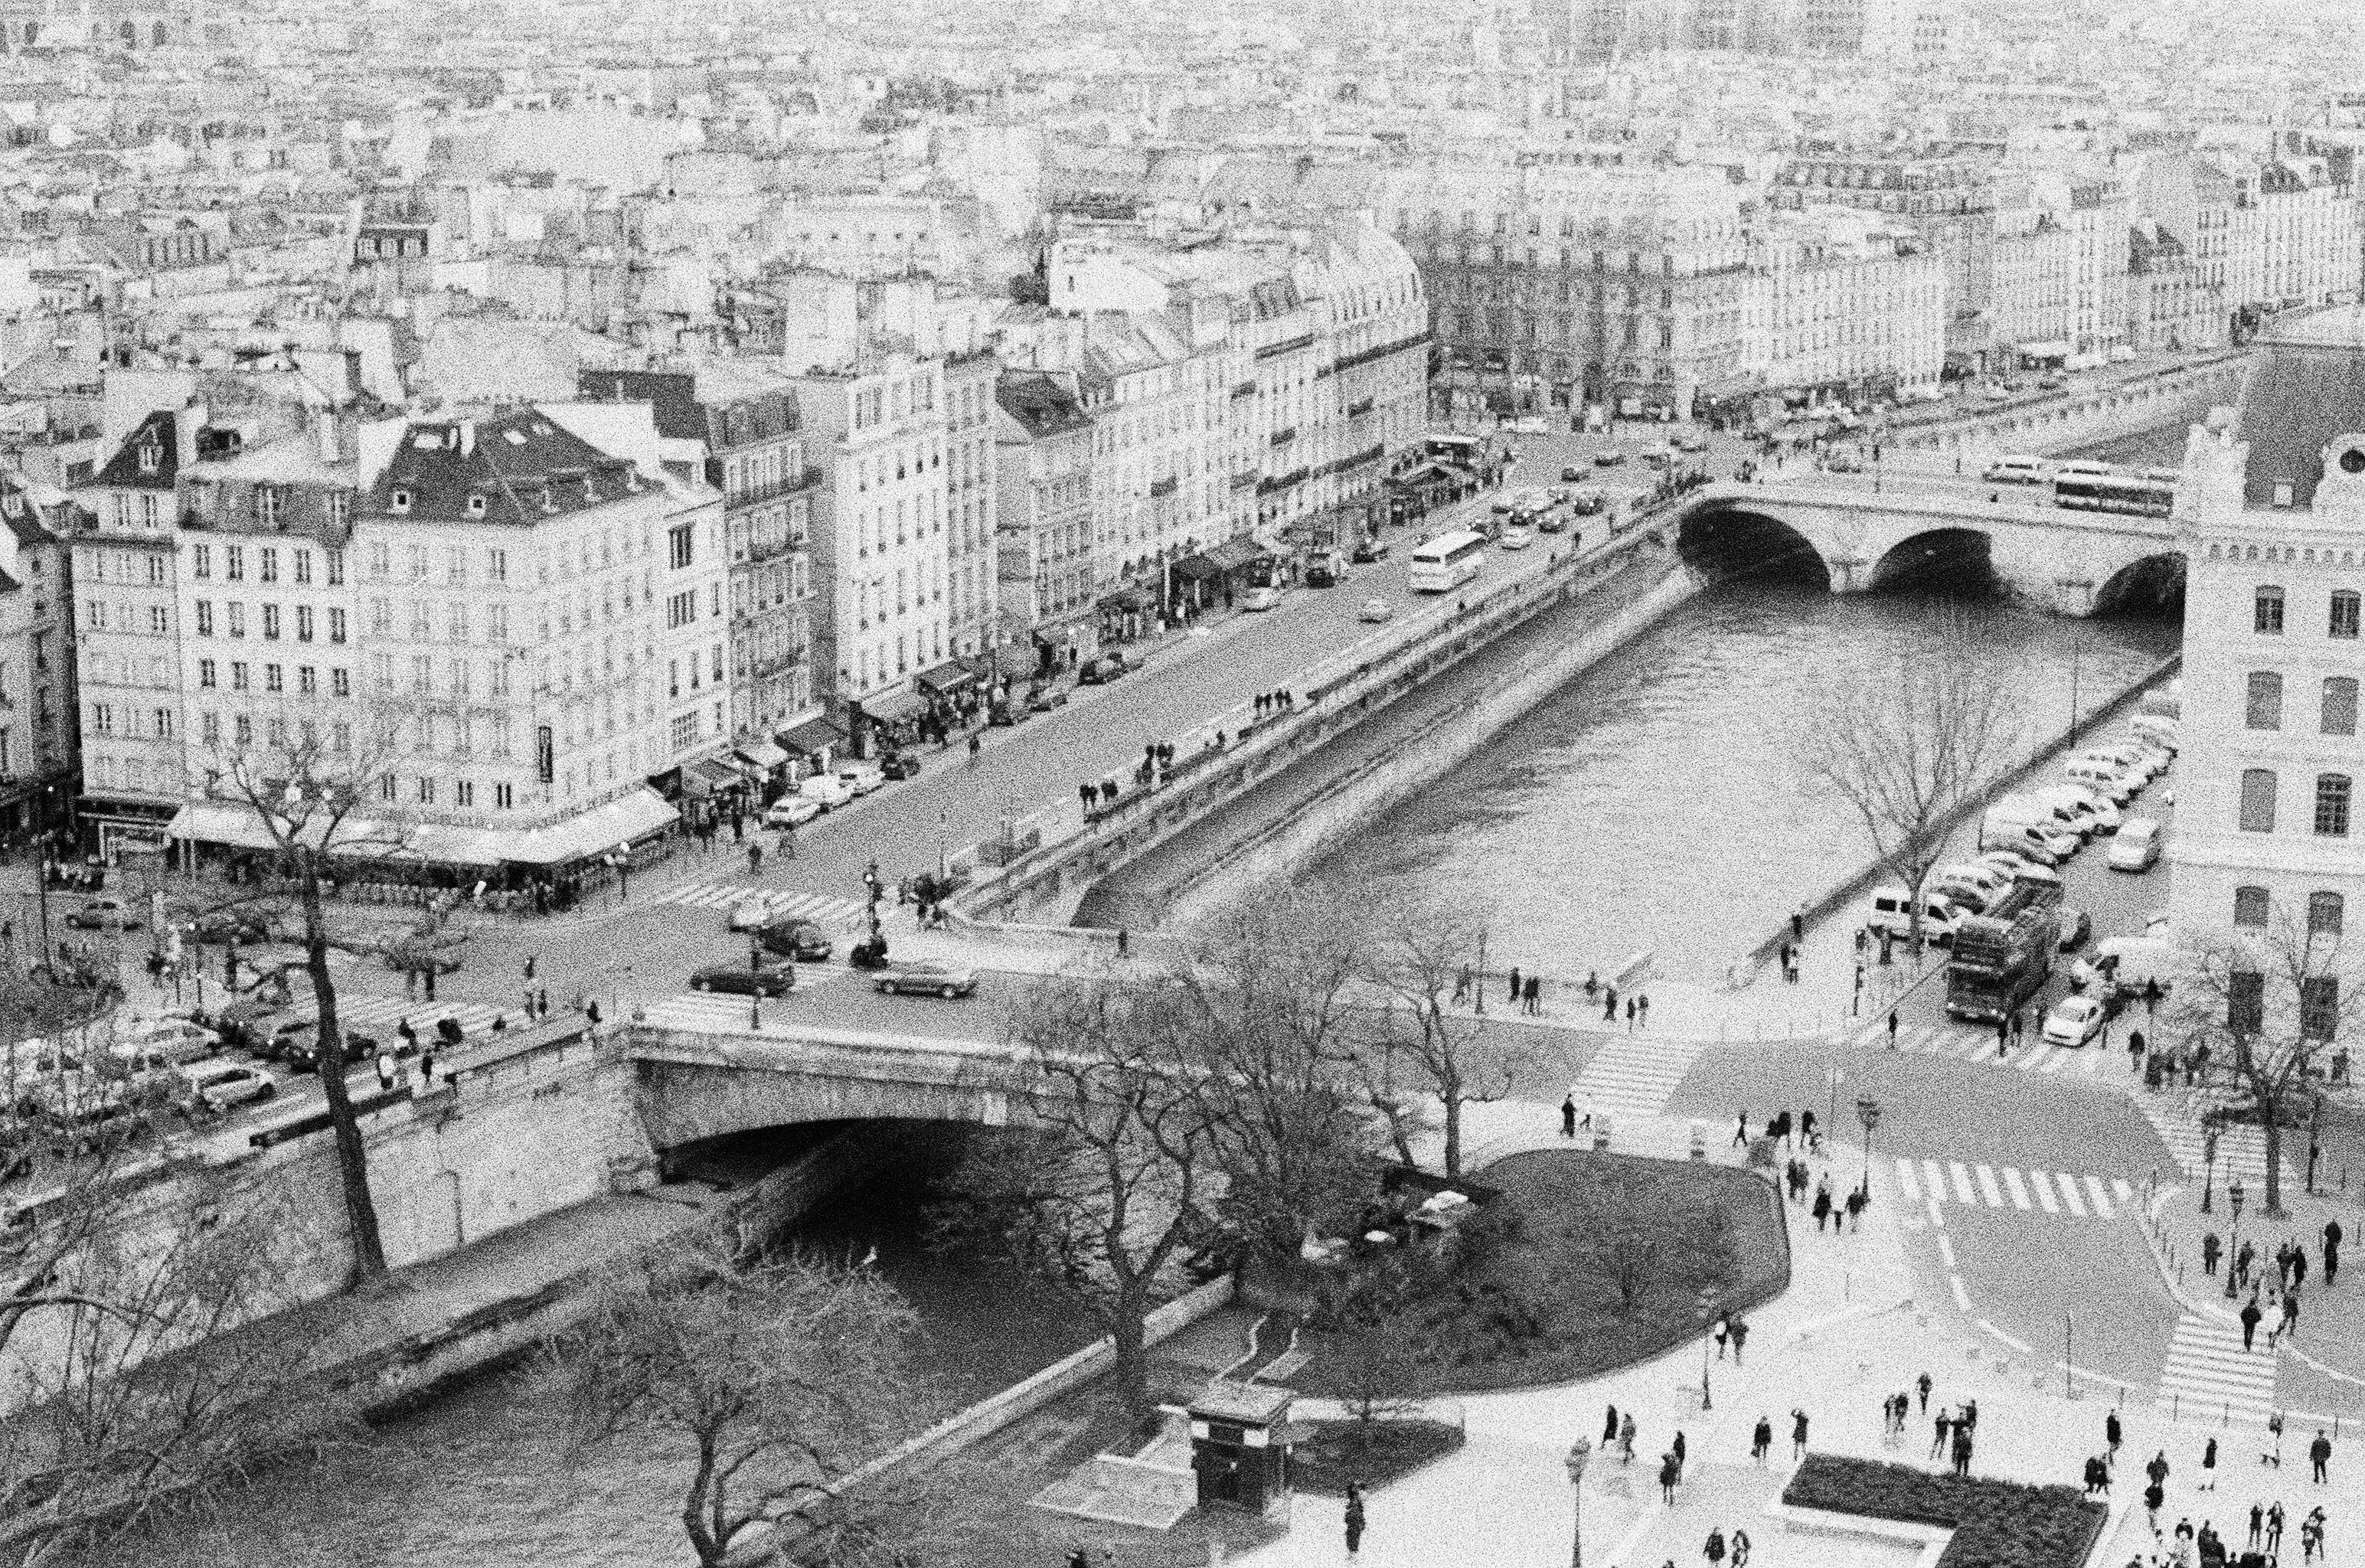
column 1354, row 1518
column 1515, row 991
column 427, row 1069
column 2319, row 1455
column 1856, row 1200
column 1669, row 1470
column 1630, row 1015
column 1798, row 1434
column 1536, row 996
column 1626, row 1438
column 1822, row 1205
column 1124, row 941
column 2156, row 1470
column 2332, row 1239
column 2153, row 1495
column 407, row 1035
column 1893, row 1028
column 755, row 859
column 1741, row 1130
column 2311, row 1534
column 2094, row 1474
column 2289, row 1325
column 1720, row 1333
column 2251, row 1316
column 1782, row 957
column 1568, row 1126
column 1740, row 1545
column 2112, row 1434
column 1778, row 1129
column 2210, row 1250
column 1921, row 1387
column 1799, row 923
column 2258, row 1517
column 1609, row 1428
column 1760, row 1440
column 1740, row 1330
column 384, row 1072
column 1806, row 1128
column 1962, row 1451
column 1681, row 1452
column 2274, row 1526
column 1715, row 1548
column 1644, row 1003
column 2209, row 1465
column 1462, row 986
column 1609, row 1004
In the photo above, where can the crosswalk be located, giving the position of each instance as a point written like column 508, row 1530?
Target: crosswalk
column 726, row 1013
column 1967, row 1042
column 2210, row 1377
column 374, row 1014
column 1634, row 1074
column 1970, row 1184
column 820, row 908
column 2241, row 1146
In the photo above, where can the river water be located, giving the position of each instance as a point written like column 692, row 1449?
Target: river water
column 1654, row 804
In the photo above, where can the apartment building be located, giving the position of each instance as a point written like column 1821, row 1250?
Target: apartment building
column 38, row 754
column 972, row 568
column 1045, row 471
column 1841, row 306
column 2273, row 512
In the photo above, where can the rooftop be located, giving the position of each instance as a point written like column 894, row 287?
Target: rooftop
column 519, row 465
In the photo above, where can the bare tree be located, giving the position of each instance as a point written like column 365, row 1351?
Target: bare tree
column 1371, row 1314
column 1109, row 1186
column 1421, row 951
column 2267, row 1002
column 782, row 1375
column 1909, row 745
column 306, row 796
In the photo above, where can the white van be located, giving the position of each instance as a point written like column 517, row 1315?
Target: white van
column 1893, row 910
column 2129, row 962
column 2009, row 829
column 2081, row 469
column 2015, row 470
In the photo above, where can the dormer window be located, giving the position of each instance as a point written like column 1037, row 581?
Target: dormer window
column 152, row 457
column 476, row 503
column 399, row 500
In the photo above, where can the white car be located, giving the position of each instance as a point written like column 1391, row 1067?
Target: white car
column 860, row 777
column 2137, row 846
column 1516, row 538
column 1260, row 599
column 750, row 913
column 2074, row 1021
column 220, row 1085
column 792, row 811
column 1377, row 609
column 825, row 789
column 176, row 1039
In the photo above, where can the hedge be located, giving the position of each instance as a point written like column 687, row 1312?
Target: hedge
column 1997, row 1524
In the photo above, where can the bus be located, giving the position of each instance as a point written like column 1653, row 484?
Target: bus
column 2138, row 494
column 1446, row 561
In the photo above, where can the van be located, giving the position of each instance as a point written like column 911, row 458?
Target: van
column 2015, row 470
column 2083, row 470
column 2008, row 830
column 1893, row 912
column 2126, row 964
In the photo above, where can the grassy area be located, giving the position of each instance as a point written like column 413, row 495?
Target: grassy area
column 1596, row 1261
column 1372, row 1454
column 1997, row 1524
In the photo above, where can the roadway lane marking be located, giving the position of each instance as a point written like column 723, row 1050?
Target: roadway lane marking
column 2004, row 1336
column 1905, row 1182
column 2055, row 1062
column 1988, row 1189
column 1962, row 1183
column 1935, row 1183
column 2126, row 1194
column 2044, row 1186
column 2030, row 1060
column 1946, row 1252
column 1937, row 1217
column 1962, row 1296
column 2069, row 1194
column 2018, row 1192
column 2102, row 1198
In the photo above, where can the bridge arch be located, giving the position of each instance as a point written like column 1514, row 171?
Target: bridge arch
column 1728, row 538
column 2146, row 585
column 1949, row 558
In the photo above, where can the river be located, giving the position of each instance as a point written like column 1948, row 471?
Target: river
column 1654, row 804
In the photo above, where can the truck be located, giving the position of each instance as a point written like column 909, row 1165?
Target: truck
column 1999, row 960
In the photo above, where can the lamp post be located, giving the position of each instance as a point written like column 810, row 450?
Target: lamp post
column 1833, row 1078
column 1706, row 1303
column 755, row 983
column 2234, row 1233
column 1579, row 1451
column 1867, row 1111
column 2208, row 1162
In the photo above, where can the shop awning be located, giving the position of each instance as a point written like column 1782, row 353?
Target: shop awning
column 1234, row 553
column 714, row 773
column 1196, row 569
column 946, row 678
column 221, row 822
column 812, row 737
column 2046, row 351
column 1133, row 598
column 594, row 832
column 235, row 823
column 890, row 706
column 763, row 754
column 1011, row 661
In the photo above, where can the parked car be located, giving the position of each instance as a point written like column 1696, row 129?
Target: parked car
column 1368, row 550
column 946, row 980
column 791, row 809
column 177, row 1038
column 1260, row 599
column 1608, row 458
column 239, row 927
column 218, row 1086
column 899, row 765
column 1102, row 668
column 1691, row 441
column 2076, row 926
column 1842, row 463
column 772, row 978
column 860, row 777
column 798, row 939
column 2074, row 1021
column 825, row 789
column 1516, row 538
column 301, row 1049
column 106, row 914
column 1044, row 698
column 2138, row 847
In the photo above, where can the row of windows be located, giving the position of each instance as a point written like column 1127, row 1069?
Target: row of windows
column 2341, row 619
column 2333, row 793
column 275, row 732
column 233, row 621
column 457, row 620
column 274, row 677
column 455, row 560
column 2336, row 706
column 2253, row 905
column 266, row 564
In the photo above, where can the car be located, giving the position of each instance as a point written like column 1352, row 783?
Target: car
column 825, row 789
column 1589, row 501
column 860, row 777
column 2076, row 926
column 1842, row 463
column 1553, row 521
column 753, row 912
column 301, row 1050
column 218, row 1086
column 1260, row 599
column 947, row 980
column 177, row 1038
column 1570, row 474
column 1516, row 538
column 107, row 913
column 1101, row 669
column 1377, row 609
column 2075, row 1021
column 899, row 765
column 1691, row 441
column 2138, row 847
column 1610, row 458
column 798, row 939
column 1044, row 698
column 772, row 978
column 1368, row 550
column 239, row 927
column 1658, row 457
column 791, row 809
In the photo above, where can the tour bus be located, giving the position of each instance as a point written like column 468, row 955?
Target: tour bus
column 2139, row 495
column 1446, row 561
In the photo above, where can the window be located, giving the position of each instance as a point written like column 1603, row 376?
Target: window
column 341, row 682
column 160, row 619
column 463, row 794
column 336, row 625
column 303, row 566
column 205, row 673
column 496, row 622
column 271, row 622
column 685, row 730
column 2250, row 908
column 308, row 680
column 422, row 674
column 502, row 797
column 2324, row 913
column 274, row 677
column 303, row 623
column 497, row 565
column 237, row 617
column 2344, row 613
column 243, row 730
column 2339, row 706
column 209, row 726
column 267, row 560
column 238, row 673
column 102, row 718
column 335, row 559
column 2267, row 611
column 398, row 502
column 341, row 736
column 386, row 785
column 426, row 790
column 381, row 560
column 2266, row 700
column 418, row 562
column 2319, row 1006
column 677, row 541
column 2332, row 805
column 2246, row 1001
column 456, row 565
column 201, row 561
column 2257, row 799
column 163, row 717
column 234, row 562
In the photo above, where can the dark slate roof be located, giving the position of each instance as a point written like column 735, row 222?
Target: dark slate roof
column 1041, row 403
column 123, row 468
column 672, row 397
column 2306, row 384
column 526, row 468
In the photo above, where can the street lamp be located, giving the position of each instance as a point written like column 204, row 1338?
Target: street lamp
column 1579, row 1451
column 2234, row 1233
column 1706, row 1303
column 1833, row 1078
column 755, row 983
column 2208, row 1162
column 1867, row 1111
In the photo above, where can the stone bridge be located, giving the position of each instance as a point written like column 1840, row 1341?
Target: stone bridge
column 694, row 1085
column 2075, row 562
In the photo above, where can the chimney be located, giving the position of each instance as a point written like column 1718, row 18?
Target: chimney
column 325, row 441
column 467, row 433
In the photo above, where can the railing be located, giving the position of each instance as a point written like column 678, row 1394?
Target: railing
column 1291, row 345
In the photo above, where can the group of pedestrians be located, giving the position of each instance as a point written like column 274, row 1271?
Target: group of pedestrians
column 1953, row 1433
